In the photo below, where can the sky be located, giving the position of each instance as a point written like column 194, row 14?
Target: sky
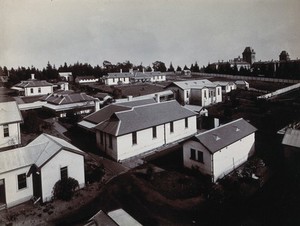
column 34, row 32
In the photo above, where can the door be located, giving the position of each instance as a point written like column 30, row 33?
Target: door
column 37, row 185
column 2, row 192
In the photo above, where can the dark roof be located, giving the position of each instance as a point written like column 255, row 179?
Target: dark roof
column 119, row 75
column 142, row 117
column 33, row 83
column 292, row 138
column 60, row 98
column 101, row 96
column 104, row 113
column 85, row 77
column 137, row 102
column 193, row 84
column 101, row 219
column 222, row 136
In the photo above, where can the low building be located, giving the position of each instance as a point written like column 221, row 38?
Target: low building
column 33, row 170
column 140, row 129
column 227, row 86
column 242, row 84
column 196, row 92
column 10, row 120
column 291, row 146
column 62, row 102
column 86, row 79
column 219, row 151
column 33, row 87
column 66, row 76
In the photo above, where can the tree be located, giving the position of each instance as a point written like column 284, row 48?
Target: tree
column 185, row 68
column 148, row 69
column 159, row 66
column 196, row 67
column 178, row 68
column 171, row 68
column 64, row 189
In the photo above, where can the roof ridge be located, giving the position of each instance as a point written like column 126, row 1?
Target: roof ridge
column 221, row 126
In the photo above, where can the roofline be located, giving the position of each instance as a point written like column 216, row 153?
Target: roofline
column 3, row 123
column 15, row 168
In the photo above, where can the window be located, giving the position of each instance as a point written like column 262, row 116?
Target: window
column 31, row 90
column 186, row 122
column 39, row 90
column 204, row 93
column 171, row 127
column 113, row 80
column 22, row 182
column 197, row 155
column 64, row 173
column 6, row 130
column 134, row 138
column 193, row 154
column 154, row 134
column 110, row 141
column 218, row 91
column 101, row 137
column 187, row 94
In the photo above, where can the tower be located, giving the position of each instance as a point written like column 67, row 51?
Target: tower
column 284, row 56
column 249, row 55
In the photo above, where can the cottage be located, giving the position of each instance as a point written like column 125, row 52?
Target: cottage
column 33, row 87
column 227, row 87
column 140, row 129
column 242, row 84
column 33, row 170
column 219, row 151
column 10, row 119
column 291, row 146
column 62, row 102
column 86, row 79
column 117, row 78
column 196, row 92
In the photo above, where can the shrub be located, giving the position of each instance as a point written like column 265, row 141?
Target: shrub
column 65, row 189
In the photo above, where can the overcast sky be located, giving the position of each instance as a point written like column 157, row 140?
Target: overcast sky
column 34, row 32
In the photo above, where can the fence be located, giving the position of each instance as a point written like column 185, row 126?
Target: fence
column 280, row 91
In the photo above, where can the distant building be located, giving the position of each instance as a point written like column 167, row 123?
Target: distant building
column 86, row 79
column 249, row 55
column 33, row 87
column 33, row 170
column 66, row 76
column 219, row 151
column 284, row 56
column 63, row 102
column 196, row 92
column 10, row 119
column 103, row 98
column 242, row 84
column 227, row 86
column 133, row 77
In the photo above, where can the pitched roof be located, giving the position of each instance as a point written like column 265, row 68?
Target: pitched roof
column 222, row 136
column 193, row 84
column 37, row 152
column 66, row 97
column 9, row 112
column 223, row 83
column 292, row 138
column 119, row 75
column 101, row 96
column 85, row 77
column 142, row 117
column 101, row 219
column 33, row 83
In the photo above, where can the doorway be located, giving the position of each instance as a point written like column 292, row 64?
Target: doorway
column 2, row 192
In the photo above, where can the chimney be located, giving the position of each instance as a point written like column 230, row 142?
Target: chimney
column 143, row 70
column 121, row 71
column 129, row 98
column 157, row 98
column 32, row 76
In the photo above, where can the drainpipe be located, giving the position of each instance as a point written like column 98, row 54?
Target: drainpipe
column 165, row 138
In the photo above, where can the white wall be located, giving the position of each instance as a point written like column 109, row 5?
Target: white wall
column 14, row 137
column 50, row 173
column 114, row 81
column 13, row 195
column 123, row 148
column 206, row 166
column 232, row 156
column 44, row 90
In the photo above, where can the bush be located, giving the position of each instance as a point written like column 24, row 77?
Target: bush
column 65, row 189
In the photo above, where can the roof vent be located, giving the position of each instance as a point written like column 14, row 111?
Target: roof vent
column 237, row 129
column 216, row 137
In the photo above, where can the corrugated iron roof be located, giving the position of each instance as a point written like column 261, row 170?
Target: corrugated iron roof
column 142, row 117
column 222, row 136
column 37, row 152
column 33, row 83
column 292, row 138
column 193, row 84
column 9, row 112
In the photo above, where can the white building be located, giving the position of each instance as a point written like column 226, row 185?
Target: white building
column 227, row 87
column 242, row 84
column 196, row 92
column 86, row 79
column 33, row 87
column 132, row 77
column 66, row 76
column 143, row 128
column 10, row 119
column 219, row 151
column 62, row 102
column 33, row 170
